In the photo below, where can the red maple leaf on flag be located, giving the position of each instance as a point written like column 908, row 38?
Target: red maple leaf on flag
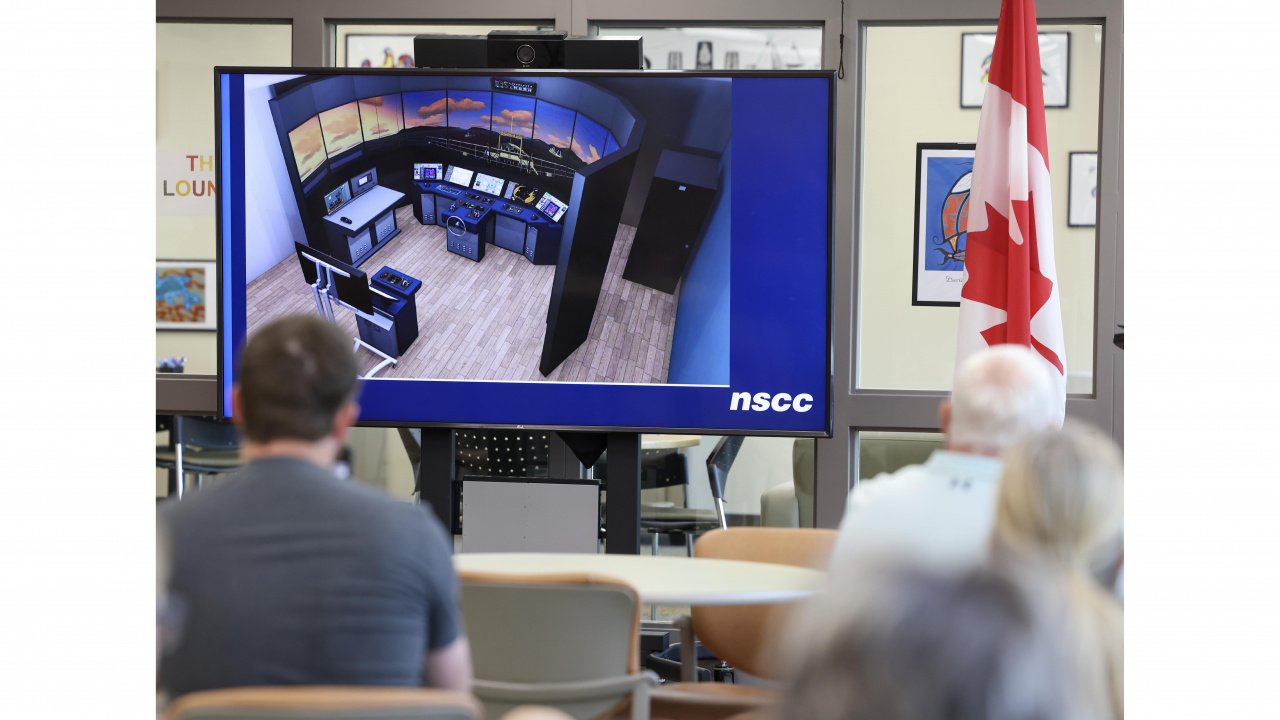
column 994, row 261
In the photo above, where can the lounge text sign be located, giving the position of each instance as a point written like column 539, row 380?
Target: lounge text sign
column 185, row 183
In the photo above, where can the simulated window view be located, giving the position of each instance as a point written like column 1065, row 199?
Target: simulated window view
column 454, row 199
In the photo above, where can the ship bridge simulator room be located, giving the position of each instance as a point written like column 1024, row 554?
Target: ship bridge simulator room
column 495, row 218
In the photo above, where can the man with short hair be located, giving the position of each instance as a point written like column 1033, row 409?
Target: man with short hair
column 291, row 576
column 942, row 511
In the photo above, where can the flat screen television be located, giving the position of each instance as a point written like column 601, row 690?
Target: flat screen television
column 660, row 285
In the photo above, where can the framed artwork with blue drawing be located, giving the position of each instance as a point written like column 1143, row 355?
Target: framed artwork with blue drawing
column 186, row 295
column 1082, row 189
column 943, row 174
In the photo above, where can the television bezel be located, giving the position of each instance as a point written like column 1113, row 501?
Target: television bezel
column 828, row 75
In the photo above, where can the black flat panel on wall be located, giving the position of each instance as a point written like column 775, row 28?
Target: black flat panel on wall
column 589, row 231
column 683, row 188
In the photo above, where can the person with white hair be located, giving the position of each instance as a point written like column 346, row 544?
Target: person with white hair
column 942, row 511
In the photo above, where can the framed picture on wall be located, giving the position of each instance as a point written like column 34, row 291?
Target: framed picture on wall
column 1082, row 189
column 380, row 51
column 186, row 295
column 975, row 64
column 943, row 174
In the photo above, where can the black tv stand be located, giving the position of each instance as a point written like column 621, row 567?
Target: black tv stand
column 622, row 513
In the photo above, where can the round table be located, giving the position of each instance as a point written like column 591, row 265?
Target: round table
column 665, row 580
column 667, row 442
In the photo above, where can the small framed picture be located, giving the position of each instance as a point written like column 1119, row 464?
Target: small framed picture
column 186, row 295
column 1082, row 189
column 380, row 51
column 975, row 64
column 944, row 172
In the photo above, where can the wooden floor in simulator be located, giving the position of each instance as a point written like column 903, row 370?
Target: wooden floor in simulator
column 487, row 320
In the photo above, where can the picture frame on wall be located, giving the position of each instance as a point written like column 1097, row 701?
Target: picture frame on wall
column 379, row 51
column 1082, row 189
column 1055, row 65
column 186, row 295
column 944, row 172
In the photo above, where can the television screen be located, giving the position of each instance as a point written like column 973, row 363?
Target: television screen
column 428, row 172
column 641, row 295
column 337, row 198
column 488, row 184
column 459, row 176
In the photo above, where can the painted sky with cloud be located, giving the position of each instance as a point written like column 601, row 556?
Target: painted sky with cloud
column 467, row 107
column 588, row 139
column 308, row 148
column 424, row 109
column 341, row 127
column 381, row 116
column 555, row 124
column 513, row 113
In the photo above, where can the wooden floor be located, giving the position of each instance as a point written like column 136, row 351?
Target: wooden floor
column 487, row 320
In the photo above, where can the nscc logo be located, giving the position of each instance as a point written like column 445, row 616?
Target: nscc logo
column 779, row 402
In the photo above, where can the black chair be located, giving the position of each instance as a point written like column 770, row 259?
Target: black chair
column 197, row 445
column 665, row 468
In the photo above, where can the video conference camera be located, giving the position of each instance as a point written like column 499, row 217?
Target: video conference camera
column 540, row 49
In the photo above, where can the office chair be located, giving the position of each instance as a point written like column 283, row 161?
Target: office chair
column 197, row 445
column 743, row 636
column 566, row 640
column 691, row 522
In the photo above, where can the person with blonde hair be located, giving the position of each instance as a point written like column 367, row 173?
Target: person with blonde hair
column 1061, row 502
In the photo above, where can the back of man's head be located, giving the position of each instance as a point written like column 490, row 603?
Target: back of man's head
column 1001, row 395
column 295, row 374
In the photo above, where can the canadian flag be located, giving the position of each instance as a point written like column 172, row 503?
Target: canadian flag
column 1010, row 292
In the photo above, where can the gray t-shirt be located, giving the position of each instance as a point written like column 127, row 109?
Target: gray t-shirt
column 293, row 577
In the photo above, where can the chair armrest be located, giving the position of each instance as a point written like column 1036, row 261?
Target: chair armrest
column 550, row 692
column 779, row 506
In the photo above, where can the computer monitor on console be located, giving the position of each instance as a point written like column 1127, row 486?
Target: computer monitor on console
column 459, row 176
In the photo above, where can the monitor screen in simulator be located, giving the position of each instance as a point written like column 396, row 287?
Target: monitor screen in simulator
column 488, row 184
column 337, row 199
column 552, row 207
column 526, row 194
column 596, row 252
column 428, row 172
column 459, row 176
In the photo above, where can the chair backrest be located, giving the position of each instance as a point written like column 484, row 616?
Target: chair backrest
column 745, row 636
column 555, row 628
column 719, row 462
column 325, row 703
column 663, row 468
column 889, row 452
column 802, row 470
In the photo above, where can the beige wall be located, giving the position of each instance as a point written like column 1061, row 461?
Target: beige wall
column 913, row 95
column 186, row 54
